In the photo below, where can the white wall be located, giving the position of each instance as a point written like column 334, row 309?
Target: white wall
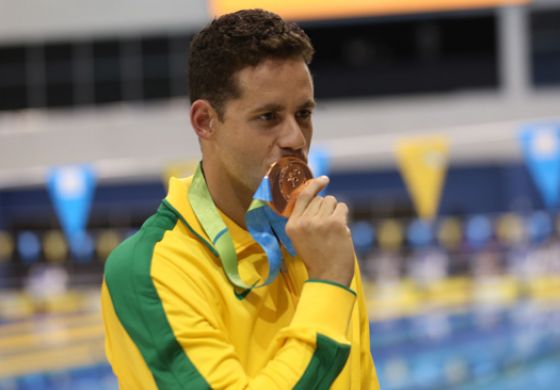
column 41, row 20
column 137, row 141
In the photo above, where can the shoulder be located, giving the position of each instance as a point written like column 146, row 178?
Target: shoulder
column 163, row 245
column 135, row 253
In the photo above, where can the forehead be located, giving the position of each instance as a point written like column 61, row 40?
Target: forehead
column 275, row 79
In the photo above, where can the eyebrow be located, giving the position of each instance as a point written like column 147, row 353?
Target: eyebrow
column 309, row 104
column 278, row 107
column 268, row 107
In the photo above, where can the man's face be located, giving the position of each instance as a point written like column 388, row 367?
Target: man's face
column 270, row 119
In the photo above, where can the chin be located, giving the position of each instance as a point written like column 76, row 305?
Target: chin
column 250, row 184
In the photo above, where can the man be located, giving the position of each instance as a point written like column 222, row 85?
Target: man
column 173, row 316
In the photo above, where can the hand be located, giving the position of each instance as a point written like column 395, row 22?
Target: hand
column 318, row 228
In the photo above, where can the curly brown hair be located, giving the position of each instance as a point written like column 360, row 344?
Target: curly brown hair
column 234, row 41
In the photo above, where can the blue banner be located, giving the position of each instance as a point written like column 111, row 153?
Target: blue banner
column 541, row 149
column 71, row 189
column 319, row 162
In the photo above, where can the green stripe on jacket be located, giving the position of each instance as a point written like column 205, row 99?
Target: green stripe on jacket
column 325, row 365
column 139, row 309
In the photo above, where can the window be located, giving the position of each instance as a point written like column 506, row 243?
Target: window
column 59, row 75
column 545, row 47
column 13, row 91
column 107, row 71
column 387, row 56
column 156, row 82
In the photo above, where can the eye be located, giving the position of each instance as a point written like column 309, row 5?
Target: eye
column 304, row 114
column 268, row 116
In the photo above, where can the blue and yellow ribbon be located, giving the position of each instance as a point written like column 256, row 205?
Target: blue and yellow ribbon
column 265, row 226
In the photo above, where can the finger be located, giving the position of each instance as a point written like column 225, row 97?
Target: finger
column 341, row 212
column 310, row 190
column 314, row 206
column 328, row 206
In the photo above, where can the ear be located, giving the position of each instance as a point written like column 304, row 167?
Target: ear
column 203, row 116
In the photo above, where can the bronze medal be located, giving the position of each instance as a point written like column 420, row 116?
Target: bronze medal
column 286, row 178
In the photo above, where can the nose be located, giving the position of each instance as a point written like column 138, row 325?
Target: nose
column 292, row 138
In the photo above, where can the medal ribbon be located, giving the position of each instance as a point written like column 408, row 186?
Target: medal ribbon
column 266, row 227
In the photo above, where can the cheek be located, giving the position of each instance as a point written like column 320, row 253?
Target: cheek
column 253, row 149
column 252, row 154
column 260, row 146
column 308, row 135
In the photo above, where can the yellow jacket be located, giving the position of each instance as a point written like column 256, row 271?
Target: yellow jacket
column 174, row 321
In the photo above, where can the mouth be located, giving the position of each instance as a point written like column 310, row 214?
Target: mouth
column 300, row 155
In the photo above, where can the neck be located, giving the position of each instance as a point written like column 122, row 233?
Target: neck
column 228, row 194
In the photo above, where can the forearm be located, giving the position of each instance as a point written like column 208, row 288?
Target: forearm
column 309, row 353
